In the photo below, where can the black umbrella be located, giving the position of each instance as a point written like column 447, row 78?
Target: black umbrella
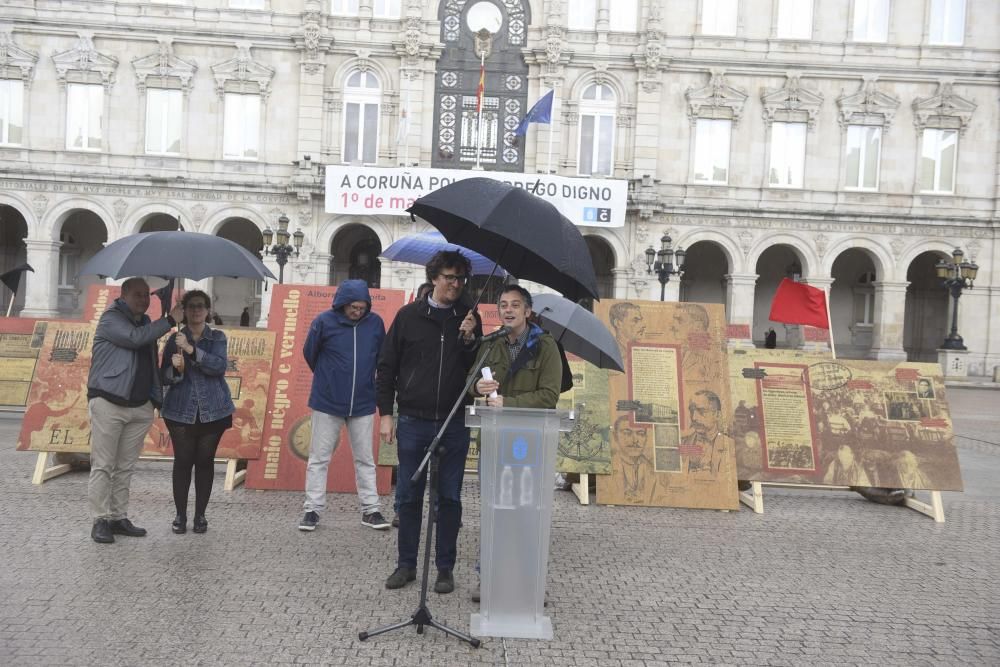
column 176, row 255
column 12, row 279
column 523, row 233
column 579, row 330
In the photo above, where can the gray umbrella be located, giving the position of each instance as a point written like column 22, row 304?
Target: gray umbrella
column 579, row 330
column 176, row 255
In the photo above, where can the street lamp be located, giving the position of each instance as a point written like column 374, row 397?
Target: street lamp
column 661, row 262
column 955, row 275
column 281, row 249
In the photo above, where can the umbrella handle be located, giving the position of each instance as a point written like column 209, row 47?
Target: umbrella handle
column 496, row 265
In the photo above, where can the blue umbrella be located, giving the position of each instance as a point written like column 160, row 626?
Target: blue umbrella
column 419, row 248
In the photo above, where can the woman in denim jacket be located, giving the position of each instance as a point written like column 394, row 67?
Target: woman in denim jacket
column 197, row 406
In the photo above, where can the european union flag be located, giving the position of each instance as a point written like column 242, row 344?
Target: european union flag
column 540, row 113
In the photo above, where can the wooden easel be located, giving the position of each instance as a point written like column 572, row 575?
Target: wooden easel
column 754, row 498
column 581, row 489
column 44, row 472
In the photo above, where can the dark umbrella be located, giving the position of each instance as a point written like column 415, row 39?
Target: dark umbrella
column 523, row 233
column 176, row 255
column 419, row 248
column 579, row 330
column 12, row 279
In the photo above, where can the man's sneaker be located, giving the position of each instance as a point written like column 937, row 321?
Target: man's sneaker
column 445, row 582
column 375, row 520
column 309, row 521
column 401, row 577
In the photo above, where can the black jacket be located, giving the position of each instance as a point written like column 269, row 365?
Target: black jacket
column 423, row 363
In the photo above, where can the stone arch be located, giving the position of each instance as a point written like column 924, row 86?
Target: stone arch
column 609, row 79
column 731, row 251
column 51, row 224
column 855, row 270
column 213, row 223
column 927, row 310
column 360, row 242
column 807, row 258
column 885, row 265
column 21, row 205
column 619, row 250
column 387, row 85
column 702, row 282
column 598, row 245
column 329, row 229
column 135, row 220
column 920, row 247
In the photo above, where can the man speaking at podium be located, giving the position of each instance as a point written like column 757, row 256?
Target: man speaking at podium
column 526, row 366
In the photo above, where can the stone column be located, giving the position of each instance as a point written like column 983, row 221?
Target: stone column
column 621, row 282
column 310, row 107
column 266, row 289
column 890, row 312
column 740, row 288
column 41, row 292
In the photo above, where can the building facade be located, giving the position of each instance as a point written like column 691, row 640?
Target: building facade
column 850, row 144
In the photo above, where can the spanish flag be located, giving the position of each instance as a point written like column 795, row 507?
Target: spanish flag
column 481, row 90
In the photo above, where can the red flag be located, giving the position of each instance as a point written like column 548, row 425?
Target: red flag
column 481, row 90
column 798, row 303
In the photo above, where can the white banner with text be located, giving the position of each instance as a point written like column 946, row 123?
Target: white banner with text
column 378, row 191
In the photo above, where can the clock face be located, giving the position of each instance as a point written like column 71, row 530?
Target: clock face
column 299, row 437
column 484, row 15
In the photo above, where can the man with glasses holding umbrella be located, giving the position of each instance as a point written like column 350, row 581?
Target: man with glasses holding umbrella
column 427, row 353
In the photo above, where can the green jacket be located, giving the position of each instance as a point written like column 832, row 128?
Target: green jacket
column 538, row 373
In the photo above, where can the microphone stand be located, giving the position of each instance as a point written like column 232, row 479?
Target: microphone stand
column 422, row 616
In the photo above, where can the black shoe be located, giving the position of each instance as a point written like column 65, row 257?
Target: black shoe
column 126, row 527
column 401, row 577
column 101, row 532
column 179, row 526
column 309, row 521
column 199, row 525
column 375, row 520
column 395, row 521
column 445, row 582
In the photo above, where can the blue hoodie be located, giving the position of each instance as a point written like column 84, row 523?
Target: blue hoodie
column 342, row 355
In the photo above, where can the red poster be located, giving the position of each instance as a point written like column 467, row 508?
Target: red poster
column 287, row 424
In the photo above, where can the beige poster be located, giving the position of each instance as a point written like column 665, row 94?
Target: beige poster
column 807, row 418
column 587, row 448
column 670, row 439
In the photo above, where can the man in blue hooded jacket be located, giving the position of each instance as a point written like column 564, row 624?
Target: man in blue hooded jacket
column 342, row 350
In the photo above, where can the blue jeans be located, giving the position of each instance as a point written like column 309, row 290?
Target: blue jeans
column 413, row 436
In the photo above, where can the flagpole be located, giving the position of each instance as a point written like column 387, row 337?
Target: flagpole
column 480, row 103
column 552, row 129
column 829, row 321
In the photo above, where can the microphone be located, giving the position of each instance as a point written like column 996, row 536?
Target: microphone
column 499, row 333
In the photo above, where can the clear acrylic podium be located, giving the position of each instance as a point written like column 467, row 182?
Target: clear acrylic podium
column 517, row 465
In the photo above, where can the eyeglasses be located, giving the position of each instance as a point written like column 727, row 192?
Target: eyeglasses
column 196, row 306
column 453, row 279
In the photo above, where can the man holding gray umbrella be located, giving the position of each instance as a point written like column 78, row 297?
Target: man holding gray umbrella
column 122, row 390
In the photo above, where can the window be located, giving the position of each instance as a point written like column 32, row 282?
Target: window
column 362, row 95
column 164, row 110
column 947, row 22
column 241, row 134
column 383, row 9
column 583, row 15
column 246, row 4
column 788, row 155
column 344, row 7
column 871, row 20
column 795, row 19
column 937, row 160
column 718, row 17
column 84, row 116
column 624, row 16
column 711, row 151
column 11, row 111
column 597, row 130
column 69, row 260
column 864, row 145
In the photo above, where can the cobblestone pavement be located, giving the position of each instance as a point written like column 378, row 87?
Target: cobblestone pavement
column 819, row 578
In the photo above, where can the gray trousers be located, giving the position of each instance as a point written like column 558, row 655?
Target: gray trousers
column 116, row 437
column 325, row 436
